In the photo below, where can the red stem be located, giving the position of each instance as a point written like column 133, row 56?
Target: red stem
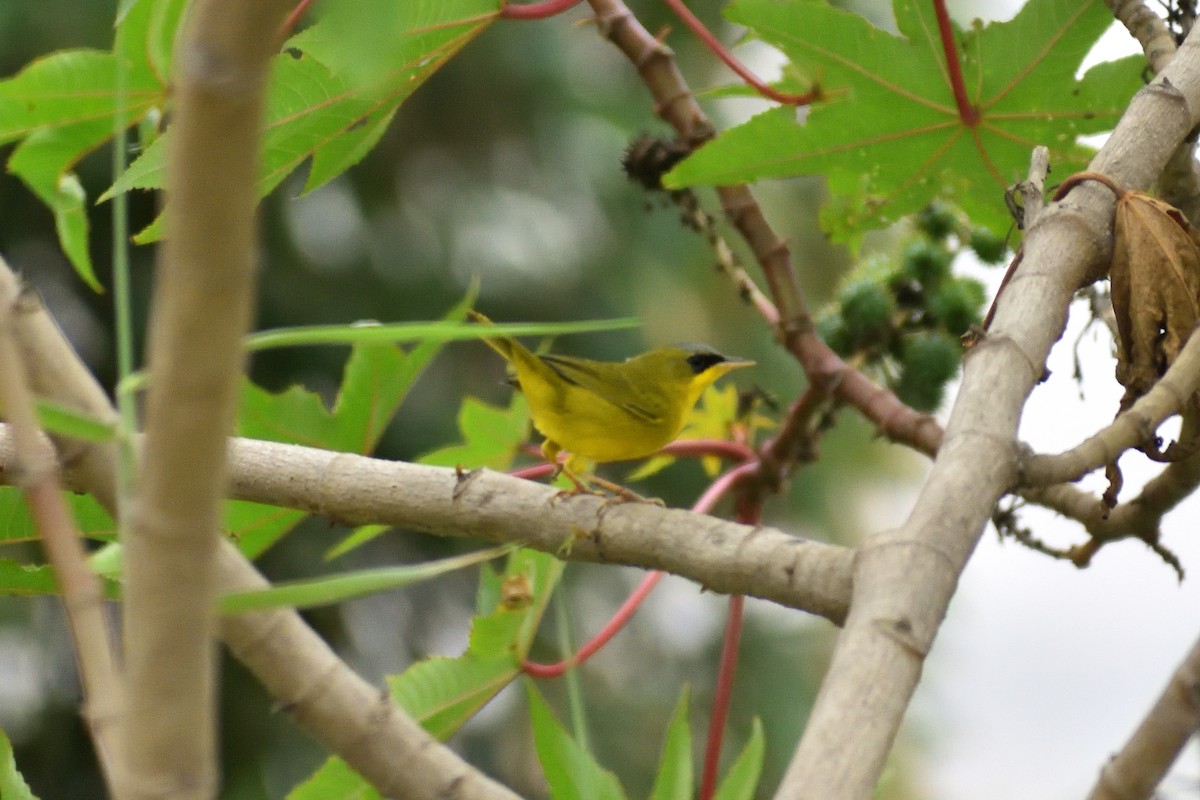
column 535, row 670
column 703, row 34
column 968, row 113
column 536, row 10
column 706, row 502
column 293, row 19
column 724, row 691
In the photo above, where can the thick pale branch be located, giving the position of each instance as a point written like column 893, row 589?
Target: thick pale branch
column 1148, row 28
column 904, row 580
column 1142, row 763
column 722, row 556
column 296, row 667
column 204, row 296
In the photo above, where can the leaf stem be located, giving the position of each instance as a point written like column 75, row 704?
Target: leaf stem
column 968, row 113
column 704, row 35
column 536, row 10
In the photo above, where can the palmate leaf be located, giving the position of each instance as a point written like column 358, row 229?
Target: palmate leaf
column 332, row 94
column 889, row 136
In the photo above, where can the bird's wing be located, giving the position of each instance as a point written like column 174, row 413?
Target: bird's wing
column 615, row 388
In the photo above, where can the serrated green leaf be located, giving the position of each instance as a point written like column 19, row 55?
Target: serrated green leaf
column 335, row 780
column 330, row 99
column 69, row 88
column 12, row 784
column 337, row 588
column 571, row 772
column 375, row 381
column 443, row 693
column 675, row 774
column 742, row 779
column 43, row 161
column 889, row 136
column 492, row 435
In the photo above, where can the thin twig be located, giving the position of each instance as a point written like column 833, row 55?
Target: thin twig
column 83, row 597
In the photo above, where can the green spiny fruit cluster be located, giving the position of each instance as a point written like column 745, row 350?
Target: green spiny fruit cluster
column 906, row 315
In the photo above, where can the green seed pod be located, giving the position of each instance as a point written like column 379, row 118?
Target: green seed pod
column 957, row 305
column 867, row 311
column 990, row 248
column 938, row 220
column 929, row 361
column 926, row 262
column 832, row 330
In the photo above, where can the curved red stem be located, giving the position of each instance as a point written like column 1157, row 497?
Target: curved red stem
column 535, row 670
column 536, row 10
column 724, row 691
column 703, row 34
column 968, row 113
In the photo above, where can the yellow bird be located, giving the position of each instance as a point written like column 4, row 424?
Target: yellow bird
column 600, row 411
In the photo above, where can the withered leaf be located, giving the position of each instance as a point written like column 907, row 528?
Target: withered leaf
column 1155, row 279
column 1155, row 288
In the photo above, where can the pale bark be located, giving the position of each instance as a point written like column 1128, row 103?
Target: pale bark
column 36, row 471
column 904, row 579
column 203, row 300
column 1140, row 766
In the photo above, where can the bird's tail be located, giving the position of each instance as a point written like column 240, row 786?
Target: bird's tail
column 502, row 345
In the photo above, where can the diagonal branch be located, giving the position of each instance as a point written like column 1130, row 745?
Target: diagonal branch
column 1142, row 763
column 904, row 579
column 324, row 696
column 83, row 598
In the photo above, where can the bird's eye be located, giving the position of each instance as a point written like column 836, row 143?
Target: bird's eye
column 702, row 361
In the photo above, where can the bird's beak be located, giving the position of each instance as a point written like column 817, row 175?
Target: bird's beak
column 733, row 362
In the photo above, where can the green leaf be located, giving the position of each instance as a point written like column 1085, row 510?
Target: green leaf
column 336, row 588
column 491, row 435
column 29, row 580
column 335, row 780
column 742, row 778
column 331, row 98
column 44, row 162
column 16, row 524
column 450, row 330
column 674, row 778
column 12, row 784
column 64, row 421
column 69, row 88
column 571, row 772
column 443, row 693
column 889, row 136
column 355, row 539
column 375, row 381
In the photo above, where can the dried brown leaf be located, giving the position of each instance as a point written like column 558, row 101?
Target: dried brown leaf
column 1155, row 279
column 1155, row 288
